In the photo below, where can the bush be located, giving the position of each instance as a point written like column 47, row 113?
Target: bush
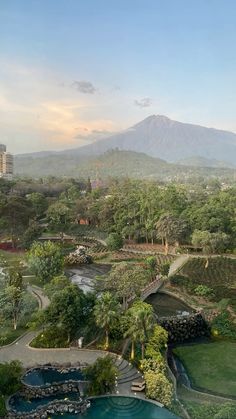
column 50, row 338
column 114, row 241
column 151, row 262
column 204, row 291
column 223, row 325
column 102, row 376
column 158, row 387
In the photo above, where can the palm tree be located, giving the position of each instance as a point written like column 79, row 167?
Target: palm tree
column 106, row 311
column 142, row 320
column 133, row 333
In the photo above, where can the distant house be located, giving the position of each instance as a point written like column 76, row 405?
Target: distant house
column 84, row 221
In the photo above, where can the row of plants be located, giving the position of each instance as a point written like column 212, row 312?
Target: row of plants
column 211, row 278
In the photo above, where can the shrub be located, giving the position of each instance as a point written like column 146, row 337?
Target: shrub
column 203, row 291
column 114, row 241
column 151, row 262
column 156, row 364
column 158, row 387
column 223, row 325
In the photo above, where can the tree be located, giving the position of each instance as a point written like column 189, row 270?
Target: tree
column 39, row 203
column 141, row 316
column 11, row 297
column 102, row 376
column 114, row 241
column 45, row 260
column 10, row 375
column 68, row 311
column 88, row 186
column 170, row 229
column 106, row 310
column 31, row 234
column 126, row 281
column 15, row 216
column 58, row 215
column 210, row 242
column 58, row 283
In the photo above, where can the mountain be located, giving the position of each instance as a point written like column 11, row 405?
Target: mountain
column 198, row 161
column 114, row 163
column 159, row 136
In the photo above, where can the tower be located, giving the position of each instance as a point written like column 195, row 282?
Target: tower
column 6, row 163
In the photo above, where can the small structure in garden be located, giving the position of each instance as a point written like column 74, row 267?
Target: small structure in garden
column 78, row 257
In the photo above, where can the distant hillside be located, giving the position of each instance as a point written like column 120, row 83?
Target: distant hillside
column 198, row 161
column 159, row 136
column 113, row 163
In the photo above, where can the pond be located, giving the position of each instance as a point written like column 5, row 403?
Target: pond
column 117, row 407
column 84, row 275
column 166, row 305
column 22, row 404
column 41, row 376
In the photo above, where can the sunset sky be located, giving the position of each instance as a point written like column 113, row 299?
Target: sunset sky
column 72, row 71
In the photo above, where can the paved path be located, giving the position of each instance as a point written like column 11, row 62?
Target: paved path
column 39, row 294
column 30, row 356
column 177, row 264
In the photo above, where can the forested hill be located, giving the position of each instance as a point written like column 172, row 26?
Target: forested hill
column 113, row 163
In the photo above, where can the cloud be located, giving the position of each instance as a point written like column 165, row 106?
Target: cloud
column 84, row 86
column 143, row 103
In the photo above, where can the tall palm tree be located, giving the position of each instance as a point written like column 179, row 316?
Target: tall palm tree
column 106, row 310
column 142, row 321
column 133, row 333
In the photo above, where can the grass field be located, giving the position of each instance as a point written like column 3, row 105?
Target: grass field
column 210, row 410
column 211, row 366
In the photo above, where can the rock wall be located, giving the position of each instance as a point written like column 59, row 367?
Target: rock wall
column 56, row 407
column 185, row 328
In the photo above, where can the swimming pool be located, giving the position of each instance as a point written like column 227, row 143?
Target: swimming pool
column 39, row 377
column 119, row 407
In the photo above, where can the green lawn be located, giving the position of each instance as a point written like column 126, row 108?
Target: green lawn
column 211, row 366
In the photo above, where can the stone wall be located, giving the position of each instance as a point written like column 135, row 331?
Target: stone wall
column 185, row 328
column 56, row 407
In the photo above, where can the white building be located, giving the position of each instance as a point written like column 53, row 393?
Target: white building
column 6, row 163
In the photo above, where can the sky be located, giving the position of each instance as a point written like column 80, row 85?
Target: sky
column 73, row 71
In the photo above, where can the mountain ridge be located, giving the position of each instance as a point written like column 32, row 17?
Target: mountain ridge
column 162, row 137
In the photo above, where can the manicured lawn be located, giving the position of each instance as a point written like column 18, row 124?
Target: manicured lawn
column 211, row 366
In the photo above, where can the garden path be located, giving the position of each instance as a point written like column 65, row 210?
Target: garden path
column 38, row 293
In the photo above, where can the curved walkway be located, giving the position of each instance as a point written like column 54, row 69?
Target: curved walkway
column 29, row 356
column 38, row 293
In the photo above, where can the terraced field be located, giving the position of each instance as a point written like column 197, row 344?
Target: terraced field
column 218, row 273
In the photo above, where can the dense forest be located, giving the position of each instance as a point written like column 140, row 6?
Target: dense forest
column 145, row 211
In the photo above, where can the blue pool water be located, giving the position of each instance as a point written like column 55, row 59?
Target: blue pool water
column 42, row 377
column 21, row 404
column 121, row 408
